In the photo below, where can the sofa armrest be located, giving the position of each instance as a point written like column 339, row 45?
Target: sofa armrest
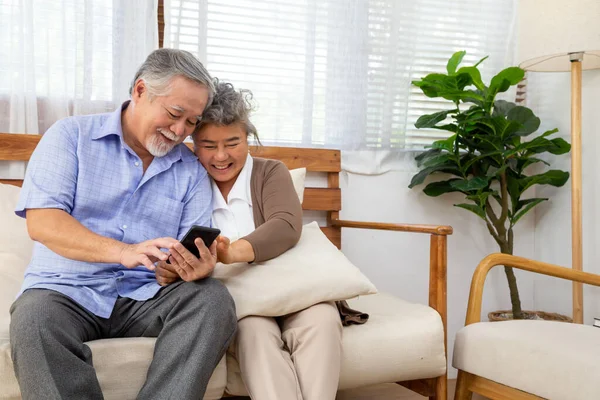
column 432, row 229
column 493, row 260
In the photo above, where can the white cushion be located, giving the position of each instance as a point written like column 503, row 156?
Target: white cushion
column 554, row 360
column 298, row 177
column 121, row 366
column 401, row 341
column 15, row 253
column 311, row 272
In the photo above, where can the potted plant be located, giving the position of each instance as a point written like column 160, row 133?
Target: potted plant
column 489, row 154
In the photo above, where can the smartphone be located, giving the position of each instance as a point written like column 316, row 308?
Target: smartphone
column 208, row 235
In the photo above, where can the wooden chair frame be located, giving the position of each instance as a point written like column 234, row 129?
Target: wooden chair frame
column 468, row 383
column 19, row 147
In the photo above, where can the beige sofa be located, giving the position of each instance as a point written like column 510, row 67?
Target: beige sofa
column 402, row 342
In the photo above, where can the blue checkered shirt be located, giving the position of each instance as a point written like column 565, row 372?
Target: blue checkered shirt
column 83, row 166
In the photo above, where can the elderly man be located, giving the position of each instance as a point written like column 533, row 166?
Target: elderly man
column 104, row 196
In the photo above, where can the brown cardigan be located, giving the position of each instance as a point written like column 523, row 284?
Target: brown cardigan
column 276, row 208
column 278, row 220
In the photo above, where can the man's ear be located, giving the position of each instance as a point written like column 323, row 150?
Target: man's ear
column 139, row 88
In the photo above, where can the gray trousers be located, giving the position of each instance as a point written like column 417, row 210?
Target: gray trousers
column 192, row 321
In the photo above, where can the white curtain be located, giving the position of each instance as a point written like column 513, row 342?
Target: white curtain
column 67, row 57
column 337, row 73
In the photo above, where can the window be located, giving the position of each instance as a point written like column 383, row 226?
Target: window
column 338, row 73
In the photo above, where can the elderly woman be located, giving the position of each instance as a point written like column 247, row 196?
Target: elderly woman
column 295, row 356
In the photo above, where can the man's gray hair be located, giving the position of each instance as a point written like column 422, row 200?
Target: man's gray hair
column 162, row 65
column 229, row 107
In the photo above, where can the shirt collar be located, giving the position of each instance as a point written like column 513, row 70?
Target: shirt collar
column 240, row 189
column 112, row 125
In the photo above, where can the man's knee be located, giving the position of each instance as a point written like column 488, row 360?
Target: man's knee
column 31, row 311
column 46, row 316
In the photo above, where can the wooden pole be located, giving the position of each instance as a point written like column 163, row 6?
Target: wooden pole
column 576, row 219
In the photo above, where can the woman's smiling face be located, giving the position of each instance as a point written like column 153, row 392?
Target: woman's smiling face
column 222, row 150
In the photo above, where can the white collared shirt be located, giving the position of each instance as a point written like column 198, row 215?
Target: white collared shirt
column 234, row 217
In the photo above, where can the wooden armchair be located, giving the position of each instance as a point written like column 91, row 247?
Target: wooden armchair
column 525, row 359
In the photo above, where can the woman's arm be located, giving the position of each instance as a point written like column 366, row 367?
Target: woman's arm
column 283, row 217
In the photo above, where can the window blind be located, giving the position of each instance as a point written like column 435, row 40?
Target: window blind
column 337, row 73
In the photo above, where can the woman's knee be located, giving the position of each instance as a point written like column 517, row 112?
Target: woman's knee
column 254, row 331
column 323, row 317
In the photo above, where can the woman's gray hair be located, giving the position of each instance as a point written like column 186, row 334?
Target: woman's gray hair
column 230, row 106
column 162, row 65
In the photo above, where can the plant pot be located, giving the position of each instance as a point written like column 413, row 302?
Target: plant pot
column 506, row 315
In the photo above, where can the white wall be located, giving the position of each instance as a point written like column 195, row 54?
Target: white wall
column 548, row 94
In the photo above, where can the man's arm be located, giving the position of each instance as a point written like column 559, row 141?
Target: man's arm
column 64, row 235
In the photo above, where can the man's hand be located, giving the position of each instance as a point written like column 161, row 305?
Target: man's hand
column 188, row 266
column 165, row 273
column 146, row 253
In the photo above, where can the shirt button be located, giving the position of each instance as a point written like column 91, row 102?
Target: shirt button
column 137, row 163
column 124, row 226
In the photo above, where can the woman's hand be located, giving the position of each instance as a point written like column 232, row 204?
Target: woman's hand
column 238, row 251
column 224, row 251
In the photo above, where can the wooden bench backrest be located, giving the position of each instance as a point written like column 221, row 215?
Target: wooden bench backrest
column 16, row 147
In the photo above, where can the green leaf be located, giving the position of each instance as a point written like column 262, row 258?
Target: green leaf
column 560, row 146
column 505, row 79
column 541, row 145
column 435, row 189
column 450, row 87
column 480, row 61
column 438, row 160
column 473, row 208
column 445, row 144
column 418, row 178
column 526, row 118
column 530, row 161
column 504, row 127
column 467, row 185
column 446, row 127
column 529, row 206
column 454, row 61
column 475, row 76
column 430, row 120
column 426, row 154
column 523, row 203
column 502, row 107
column 553, row 177
column 432, row 84
column 480, row 198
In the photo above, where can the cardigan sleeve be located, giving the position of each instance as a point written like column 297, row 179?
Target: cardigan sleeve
column 282, row 213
